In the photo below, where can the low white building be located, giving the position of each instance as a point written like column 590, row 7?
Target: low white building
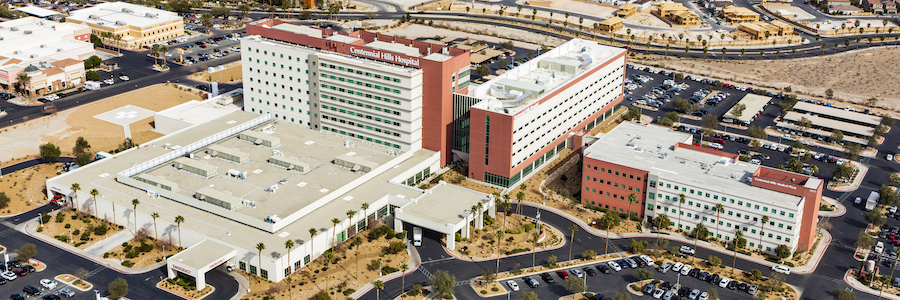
column 53, row 52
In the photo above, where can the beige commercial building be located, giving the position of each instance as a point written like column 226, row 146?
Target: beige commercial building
column 678, row 13
column 739, row 14
column 136, row 25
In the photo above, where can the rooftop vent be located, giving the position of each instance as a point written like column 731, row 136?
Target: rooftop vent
column 43, row 46
column 127, row 10
column 27, row 32
column 94, row 17
column 59, row 49
column 14, row 28
column 150, row 15
column 120, row 23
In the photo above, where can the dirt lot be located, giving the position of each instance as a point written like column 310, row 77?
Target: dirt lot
column 65, row 127
column 231, row 74
column 493, row 33
column 854, row 76
column 25, row 188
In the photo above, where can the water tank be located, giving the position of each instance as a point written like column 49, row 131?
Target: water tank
column 870, row 266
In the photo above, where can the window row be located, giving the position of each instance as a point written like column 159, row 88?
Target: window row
column 360, row 83
column 615, row 184
column 707, row 207
column 359, row 136
column 370, row 117
column 723, row 198
column 358, row 72
column 370, row 96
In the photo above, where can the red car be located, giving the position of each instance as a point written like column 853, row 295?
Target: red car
column 202, row 45
column 720, row 141
column 895, row 242
column 562, row 274
column 146, row 47
column 21, row 272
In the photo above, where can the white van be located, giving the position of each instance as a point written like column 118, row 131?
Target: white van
column 91, row 85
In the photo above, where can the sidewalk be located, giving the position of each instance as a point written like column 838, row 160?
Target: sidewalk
column 808, row 268
column 29, row 228
column 414, row 262
column 839, row 210
column 110, row 242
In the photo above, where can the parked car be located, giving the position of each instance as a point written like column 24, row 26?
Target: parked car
column 613, row 265
column 648, row 289
column 531, row 282
column 664, row 268
column 513, row 285
column 546, row 277
column 589, row 271
column 603, row 269
column 562, row 274
column 577, row 273
column 8, row 275
column 48, row 284
column 686, row 269
column 67, row 293
column 784, row 270
column 686, row 250
column 31, row 291
column 677, row 267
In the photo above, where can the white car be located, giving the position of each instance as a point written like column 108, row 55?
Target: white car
column 890, row 157
column 686, row 269
column 783, row 270
column 704, row 296
column 48, row 284
column 658, row 293
column 168, row 54
column 687, row 250
column 577, row 273
column 51, row 97
column 614, row 266
column 677, row 267
column 724, row 282
column 647, row 259
column 716, row 146
column 124, row 78
column 109, row 81
column 879, row 248
column 513, row 285
column 858, row 200
column 8, row 275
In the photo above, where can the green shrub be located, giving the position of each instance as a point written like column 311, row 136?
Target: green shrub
column 62, row 238
column 348, row 292
column 74, row 217
column 67, row 226
column 79, row 244
column 517, row 250
column 379, row 232
column 106, row 255
column 528, row 227
column 128, row 264
column 40, row 229
column 146, row 247
column 76, row 232
column 101, row 230
column 400, row 235
column 86, row 236
column 388, row 270
column 395, row 247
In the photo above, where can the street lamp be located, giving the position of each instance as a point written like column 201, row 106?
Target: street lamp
column 70, row 236
column 41, row 219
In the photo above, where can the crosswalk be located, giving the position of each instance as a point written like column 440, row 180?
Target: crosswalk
column 424, row 271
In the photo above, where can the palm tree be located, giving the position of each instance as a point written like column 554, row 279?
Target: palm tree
column 573, row 228
column 288, row 245
column 114, row 210
column 737, row 236
column 379, row 285
column 178, row 220
column 824, row 45
column 135, row 202
column 500, row 235
column 75, row 188
column 155, row 231
column 506, row 207
column 524, row 188
column 742, row 53
column 632, row 198
column 534, row 238
column 719, row 209
column 22, row 80
column 334, row 223
column 312, row 237
column 857, row 43
column 350, row 215
column 94, row 194
column 681, row 198
column 765, row 219
column 365, row 207
column 404, row 268
column 118, row 39
column 724, row 50
column 686, row 49
column 164, row 49
column 667, row 49
column 705, row 50
column 206, row 21
column 793, row 52
column 260, row 247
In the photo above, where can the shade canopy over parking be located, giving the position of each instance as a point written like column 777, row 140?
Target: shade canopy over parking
column 838, row 114
column 753, row 105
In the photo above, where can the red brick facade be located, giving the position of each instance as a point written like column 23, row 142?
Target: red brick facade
column 608, row 185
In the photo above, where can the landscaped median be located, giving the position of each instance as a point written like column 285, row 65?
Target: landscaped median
column 185, row 288
column 74, row 282
column 78, row 229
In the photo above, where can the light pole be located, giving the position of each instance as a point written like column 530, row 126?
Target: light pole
column 41, row 219
column 70, row 236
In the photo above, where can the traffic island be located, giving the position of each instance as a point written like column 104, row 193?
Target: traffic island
column 488, row 289
column 637, row 287
column 38, row 265
column 74, row 282
column 185, row 288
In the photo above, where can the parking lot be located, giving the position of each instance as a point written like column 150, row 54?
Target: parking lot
column 15, row 279
column 733, row 94
column 608, row 283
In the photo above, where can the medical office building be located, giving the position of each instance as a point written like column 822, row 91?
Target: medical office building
column 658, row 166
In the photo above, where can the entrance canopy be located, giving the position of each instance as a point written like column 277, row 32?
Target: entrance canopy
column 199, row 259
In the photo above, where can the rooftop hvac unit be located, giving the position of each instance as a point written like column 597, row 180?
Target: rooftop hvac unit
column 150, row 15
column 33, row 56
column 14, row 28
column 120, row 23
column 94, row 17
column 43, row 46
column 127, row 10
column 59, row 49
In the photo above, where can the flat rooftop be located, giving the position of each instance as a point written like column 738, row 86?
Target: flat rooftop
column 752, row 104
column 199, row 255
column 31, row 32
column 844, row 127
column 837, row 113
column 445, row 203
column 298, row 189
column 530, row 82
column 37, row 11
column 119, row 14
column 652, row 148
